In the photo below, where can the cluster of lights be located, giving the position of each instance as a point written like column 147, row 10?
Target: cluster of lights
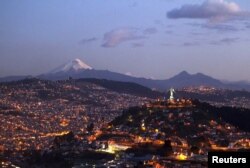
column 143, row 127
column 7, row 164
column 181, row 156
column 55, row 134
column 112, row 148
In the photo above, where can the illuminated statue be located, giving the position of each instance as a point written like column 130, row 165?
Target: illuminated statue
column 172, row 91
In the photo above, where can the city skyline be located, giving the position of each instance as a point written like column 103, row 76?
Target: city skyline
column 151, row 39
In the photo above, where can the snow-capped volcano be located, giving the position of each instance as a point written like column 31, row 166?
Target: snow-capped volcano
column 74, row 65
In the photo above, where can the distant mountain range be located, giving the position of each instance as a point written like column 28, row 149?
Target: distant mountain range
column 78, row 69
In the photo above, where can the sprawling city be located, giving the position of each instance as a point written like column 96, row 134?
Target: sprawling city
column 124, row 84
column 79, row 123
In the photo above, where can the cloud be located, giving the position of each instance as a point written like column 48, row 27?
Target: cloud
column 218, row 27
column 150, row 30
column 227, row 41
column 135, row 45
column 88, row 40
column 213, row 10
column 188, row 44
column 221, row 27
column 159, row 22
column 198, row 33
column 120, row 35
column 169, row 32
column 247, row 25
column 134, row 4
column 167, row 44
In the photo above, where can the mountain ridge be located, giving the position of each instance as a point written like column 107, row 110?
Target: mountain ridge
column 78, row 69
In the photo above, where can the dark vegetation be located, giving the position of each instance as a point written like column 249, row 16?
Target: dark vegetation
column 221, row 97
column 238, row 117
column 148, row 148
column 202, row 113
column 125, row 87
column 58, row 159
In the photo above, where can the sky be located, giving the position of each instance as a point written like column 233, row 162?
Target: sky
column 143, row 38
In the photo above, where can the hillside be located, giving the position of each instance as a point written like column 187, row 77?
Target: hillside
column 125, row 87
column 202, row 123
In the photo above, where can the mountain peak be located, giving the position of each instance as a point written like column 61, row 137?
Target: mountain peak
column 79, row 64
column 74, row 65
column 183, row 73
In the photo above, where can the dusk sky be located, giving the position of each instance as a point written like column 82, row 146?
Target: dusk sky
column 145, row 38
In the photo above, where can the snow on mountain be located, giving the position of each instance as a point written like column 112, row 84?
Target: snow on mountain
column 74, row 65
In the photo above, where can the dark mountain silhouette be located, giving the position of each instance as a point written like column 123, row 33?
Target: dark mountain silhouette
column 77, row 69
column 183, row 79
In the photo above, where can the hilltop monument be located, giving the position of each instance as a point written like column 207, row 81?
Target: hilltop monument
column 172, row 91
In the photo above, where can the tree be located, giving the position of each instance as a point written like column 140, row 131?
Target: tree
column 90, row 127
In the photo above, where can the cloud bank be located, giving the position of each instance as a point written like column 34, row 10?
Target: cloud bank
column 227, row 41
column 213, row 10
column 150, row 30
column 88, row 40
column 120, row 35
column 135, row 45
column 219, row 27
